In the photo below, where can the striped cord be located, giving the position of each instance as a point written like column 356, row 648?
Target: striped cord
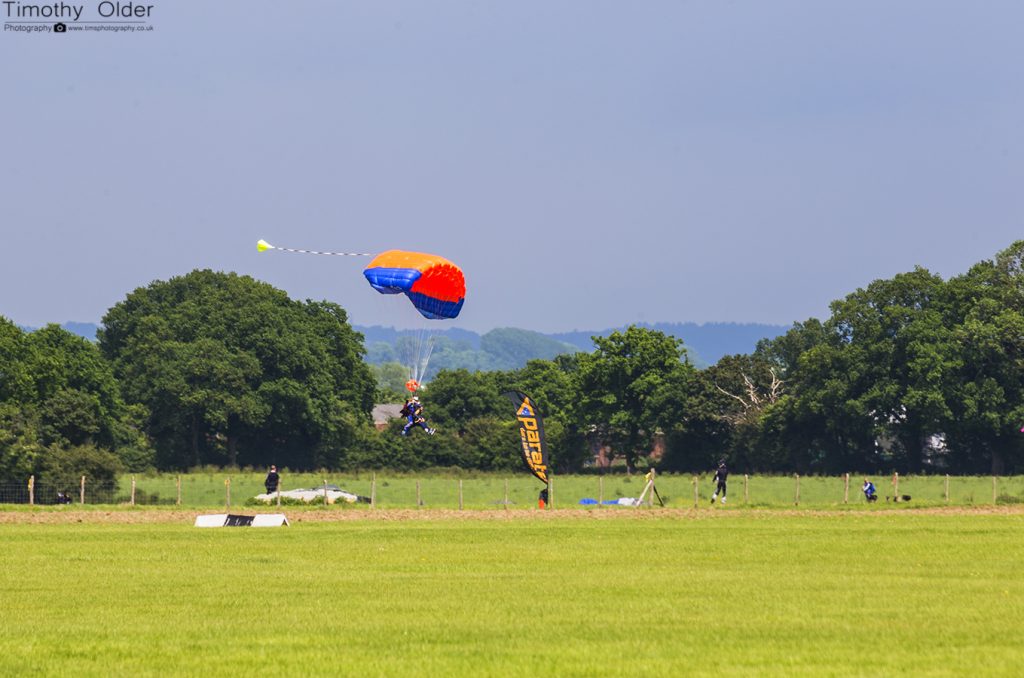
column 335, row 254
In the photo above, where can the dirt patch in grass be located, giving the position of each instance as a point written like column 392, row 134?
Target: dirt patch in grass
column 65, row 515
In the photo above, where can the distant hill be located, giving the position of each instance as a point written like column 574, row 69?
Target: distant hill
column 389, row 335
column 709, row 341
column 505, row 348
column 87, row 330
column 510, row 348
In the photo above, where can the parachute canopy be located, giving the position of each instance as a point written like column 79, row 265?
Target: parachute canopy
column 434, row 285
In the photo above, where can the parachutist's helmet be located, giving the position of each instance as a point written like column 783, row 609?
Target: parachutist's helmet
column 721, row 462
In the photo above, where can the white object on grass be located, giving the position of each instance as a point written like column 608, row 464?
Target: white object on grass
column 225, row 520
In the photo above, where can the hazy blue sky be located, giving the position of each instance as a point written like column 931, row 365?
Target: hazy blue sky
column 587, row 163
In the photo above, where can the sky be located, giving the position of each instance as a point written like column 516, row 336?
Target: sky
column 587, row 163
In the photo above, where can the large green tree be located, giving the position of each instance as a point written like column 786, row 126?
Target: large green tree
column 986, row 310
column 453, row 398
column 77, row 396
column 630, row 387
column 232, row 371
column 57, row 391
column 16, row 382
column 900, row 354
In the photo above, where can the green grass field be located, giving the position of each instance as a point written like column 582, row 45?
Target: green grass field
column 572, row 593
column 484, row 490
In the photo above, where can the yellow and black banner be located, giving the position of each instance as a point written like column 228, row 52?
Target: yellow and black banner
column 531, row 430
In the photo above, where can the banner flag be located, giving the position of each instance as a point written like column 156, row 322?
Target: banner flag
column 531, row 432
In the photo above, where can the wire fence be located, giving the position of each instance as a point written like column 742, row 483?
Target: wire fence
column 490, row 491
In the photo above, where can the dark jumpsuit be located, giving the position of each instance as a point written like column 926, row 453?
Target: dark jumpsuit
column 720, row 476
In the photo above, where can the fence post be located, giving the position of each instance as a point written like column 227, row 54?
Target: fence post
column 846, row 488
column 373, row 490
column 81, row 495
column 419, row 497
column 506, row 494
column 179, row 491
column 133, row 490
column 995, row 495
column 895, row 487
column 325, row 494
column 551, row 489
column 797, row 477
column 460, row 494
column 227, row 491
column 31, row 490
column 746, row 488
column 696, row 493
column 600, row 491
column 279, row 481
column 947, row 488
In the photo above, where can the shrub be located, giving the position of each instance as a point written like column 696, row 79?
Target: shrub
column 64, row 467
column 137, row 459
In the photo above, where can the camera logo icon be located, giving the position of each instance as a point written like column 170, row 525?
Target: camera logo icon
column 60, row 27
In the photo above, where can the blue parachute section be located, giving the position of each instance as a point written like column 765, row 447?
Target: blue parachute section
column 392, row 280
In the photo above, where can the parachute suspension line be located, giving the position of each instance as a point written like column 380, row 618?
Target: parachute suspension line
column 428, row 348
column 419, row 357
column 421, row 346
column 416, row 346
column 414, row 357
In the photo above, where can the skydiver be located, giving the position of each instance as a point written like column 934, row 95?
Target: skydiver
column 413, row 412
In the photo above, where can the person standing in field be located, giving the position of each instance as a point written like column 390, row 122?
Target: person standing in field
column 272, row 480
column 721, row 475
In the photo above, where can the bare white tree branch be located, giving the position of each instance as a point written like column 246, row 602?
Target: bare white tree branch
column 756, row 398
column 743, row 402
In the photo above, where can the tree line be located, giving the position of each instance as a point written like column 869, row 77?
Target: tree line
column 912, row 374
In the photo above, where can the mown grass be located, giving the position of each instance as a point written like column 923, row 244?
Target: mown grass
column 736, row 593
column 485, row 490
